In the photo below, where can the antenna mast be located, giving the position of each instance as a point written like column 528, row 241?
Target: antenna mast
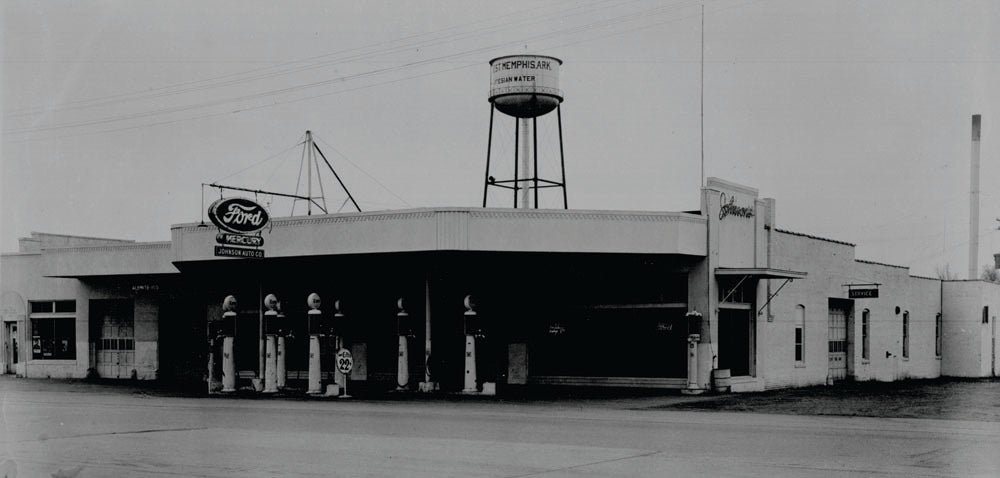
column 309, row 156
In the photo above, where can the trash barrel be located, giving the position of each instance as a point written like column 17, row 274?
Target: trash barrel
column 720, row 380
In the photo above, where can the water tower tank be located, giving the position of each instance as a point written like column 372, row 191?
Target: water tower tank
column 525, row 86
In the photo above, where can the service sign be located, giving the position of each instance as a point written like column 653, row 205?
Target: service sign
column 862, row 294
column 238, row 215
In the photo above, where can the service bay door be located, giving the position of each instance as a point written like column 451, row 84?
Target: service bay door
column 838, row 344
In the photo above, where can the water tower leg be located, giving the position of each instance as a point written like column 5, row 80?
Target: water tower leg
column 517, row 147
column 562, row 158
column 489, row 149
column 525, row 153
column 534, row 131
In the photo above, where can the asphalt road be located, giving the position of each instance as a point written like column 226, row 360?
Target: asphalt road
column 97, row 433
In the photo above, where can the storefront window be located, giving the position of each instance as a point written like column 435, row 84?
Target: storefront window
column 53, row 330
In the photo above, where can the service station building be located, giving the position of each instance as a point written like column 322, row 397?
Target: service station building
column 483, row 299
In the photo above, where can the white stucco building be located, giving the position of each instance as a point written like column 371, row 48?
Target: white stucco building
column 562, row 297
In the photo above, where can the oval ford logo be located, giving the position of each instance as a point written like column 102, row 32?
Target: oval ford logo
column 238, row 215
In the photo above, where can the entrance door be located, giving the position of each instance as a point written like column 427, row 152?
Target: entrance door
column 116, row 348
column 837, row 344
column 10, row 351
column 735, row 341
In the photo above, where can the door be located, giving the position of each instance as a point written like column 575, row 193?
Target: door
column 837, row 344
column 10, row 347
column 116, row 347
column 736, row 341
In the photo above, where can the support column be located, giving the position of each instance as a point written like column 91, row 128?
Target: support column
column 428, row 385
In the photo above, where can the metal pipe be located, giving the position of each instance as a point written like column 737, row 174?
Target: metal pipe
column 974, row 201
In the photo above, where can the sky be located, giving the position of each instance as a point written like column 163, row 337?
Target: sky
column 854, row 115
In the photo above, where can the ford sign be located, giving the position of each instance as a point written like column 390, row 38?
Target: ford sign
column 238, row 215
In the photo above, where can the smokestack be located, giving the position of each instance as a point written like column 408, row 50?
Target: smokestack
column 974, row 202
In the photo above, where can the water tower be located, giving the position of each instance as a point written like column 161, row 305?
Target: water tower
column 525, row 87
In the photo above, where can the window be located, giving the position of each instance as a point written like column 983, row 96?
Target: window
column 986, row 314
column 938, row 325
column 800, row 326
column 906, row 334
column 53, row 330
column 865, row 322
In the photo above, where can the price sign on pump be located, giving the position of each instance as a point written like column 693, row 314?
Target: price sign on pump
column 345, row 362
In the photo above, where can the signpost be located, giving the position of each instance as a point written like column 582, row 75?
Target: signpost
column 345, row 363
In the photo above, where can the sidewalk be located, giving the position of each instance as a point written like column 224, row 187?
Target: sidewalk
column 952, row 399
column 942, row 398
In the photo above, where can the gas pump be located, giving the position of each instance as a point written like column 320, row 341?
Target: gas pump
column 270, row 346
column 473, row 330
column 228, row 358
column 280, row 348
column 338, row 330
column 404, row 332
column 215, row 335
column 314, row 325
column 693, row 340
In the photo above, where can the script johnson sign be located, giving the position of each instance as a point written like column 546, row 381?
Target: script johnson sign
column 730, row 208
column 238, row 215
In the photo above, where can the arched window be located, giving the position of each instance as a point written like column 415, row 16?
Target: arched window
column 800, row 334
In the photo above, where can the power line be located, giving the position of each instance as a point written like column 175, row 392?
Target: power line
column 233, row 78
column 571, row 30
column 621, row 19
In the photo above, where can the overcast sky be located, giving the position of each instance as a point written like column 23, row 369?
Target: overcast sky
column 854, row 115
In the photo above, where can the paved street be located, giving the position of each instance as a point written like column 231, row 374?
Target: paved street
column 89, row 431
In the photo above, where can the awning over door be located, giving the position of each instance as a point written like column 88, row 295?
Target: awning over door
column 759, row 272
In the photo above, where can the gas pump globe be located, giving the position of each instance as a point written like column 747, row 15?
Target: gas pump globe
column 473, row 324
